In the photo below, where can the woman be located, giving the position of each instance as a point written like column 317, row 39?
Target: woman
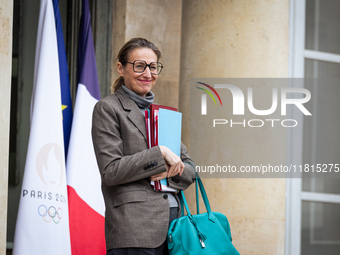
column 136, row 217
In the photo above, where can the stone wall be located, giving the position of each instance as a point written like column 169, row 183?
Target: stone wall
column 239, row 39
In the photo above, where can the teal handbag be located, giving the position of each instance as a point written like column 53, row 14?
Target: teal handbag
column 205, row 233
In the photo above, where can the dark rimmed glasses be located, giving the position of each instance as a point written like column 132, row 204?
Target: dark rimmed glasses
column 139, row 66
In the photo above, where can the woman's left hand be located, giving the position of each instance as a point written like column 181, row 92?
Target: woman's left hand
column 174, row 163
column 167, row 174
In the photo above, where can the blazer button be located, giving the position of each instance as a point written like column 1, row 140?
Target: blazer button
column 155, row 163
column 165, row 196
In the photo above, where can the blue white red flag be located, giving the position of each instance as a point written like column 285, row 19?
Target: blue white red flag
column 86, row 203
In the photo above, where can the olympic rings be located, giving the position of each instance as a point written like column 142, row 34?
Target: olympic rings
column 52, row 213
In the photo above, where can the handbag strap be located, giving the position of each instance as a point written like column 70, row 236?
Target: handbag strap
column 202, row 237
column 197, row 198
column 196, row 190
column 203, row 194
column 182, row 199
column 199, row 183
column 181, row 202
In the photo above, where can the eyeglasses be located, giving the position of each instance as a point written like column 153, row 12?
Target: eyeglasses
column 139, row 66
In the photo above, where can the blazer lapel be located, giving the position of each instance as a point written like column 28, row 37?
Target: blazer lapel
column 135, row 115
column 138, row 119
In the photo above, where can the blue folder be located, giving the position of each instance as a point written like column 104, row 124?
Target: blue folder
column 169, row 132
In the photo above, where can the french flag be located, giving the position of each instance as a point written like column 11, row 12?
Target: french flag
column 85, row 199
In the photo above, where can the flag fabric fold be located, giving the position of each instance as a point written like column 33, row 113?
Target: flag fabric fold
column 42, row 223
column 64, row 78
column 86, row 203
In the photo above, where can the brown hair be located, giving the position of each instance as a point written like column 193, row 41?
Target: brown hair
column 123, row 56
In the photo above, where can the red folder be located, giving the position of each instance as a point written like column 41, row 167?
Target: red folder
column 153, row 127
column 154, row 107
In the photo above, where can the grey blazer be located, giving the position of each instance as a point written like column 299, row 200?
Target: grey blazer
column 136, row 215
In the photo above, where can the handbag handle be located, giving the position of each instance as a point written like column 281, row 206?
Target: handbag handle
column 203, row 193
column 196, row 190
column 199, row 184
column 197, row 196
column 183, row 200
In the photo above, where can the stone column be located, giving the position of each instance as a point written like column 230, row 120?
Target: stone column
column 6, row 21
column 239, row 39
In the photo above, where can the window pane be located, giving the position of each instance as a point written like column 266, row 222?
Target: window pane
column 321, row 140
column 320, row 228
column 322, row 25
column 321, row 185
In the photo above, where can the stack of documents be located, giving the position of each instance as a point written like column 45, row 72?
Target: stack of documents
column 163, row 127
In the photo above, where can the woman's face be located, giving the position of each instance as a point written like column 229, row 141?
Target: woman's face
column 140, row 83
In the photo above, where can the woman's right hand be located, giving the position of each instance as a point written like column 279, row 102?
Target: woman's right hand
column 174, row 162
